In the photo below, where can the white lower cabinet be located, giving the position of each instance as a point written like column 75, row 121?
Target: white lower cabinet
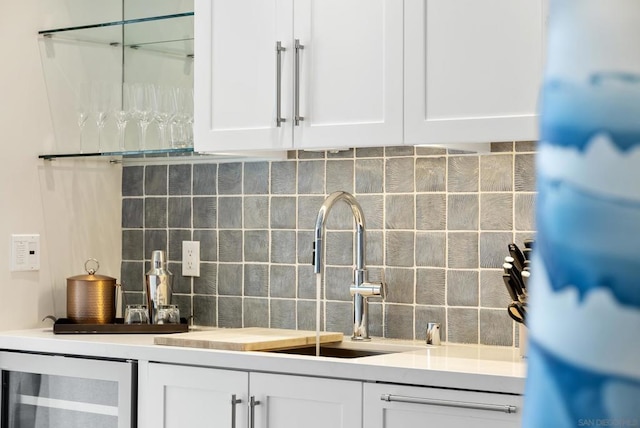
column 183, row 396
column 400, row 406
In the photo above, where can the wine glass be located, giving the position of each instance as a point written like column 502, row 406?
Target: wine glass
column 143, row 94
column 100, row 101
column 82, row 109
column 181, row 126
column 164, row 109
column 121, row 110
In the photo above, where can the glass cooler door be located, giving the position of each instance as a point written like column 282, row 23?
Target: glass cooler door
column 52, row 391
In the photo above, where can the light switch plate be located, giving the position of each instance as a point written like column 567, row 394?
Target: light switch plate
column 25, row 253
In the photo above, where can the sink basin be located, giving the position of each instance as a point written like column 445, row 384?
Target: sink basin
column 326, row 351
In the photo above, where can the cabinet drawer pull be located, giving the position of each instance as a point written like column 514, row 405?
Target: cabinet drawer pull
column 252, row 411
column 279, row 50
column 234, row 401
column 296, row 114
column 506, row 408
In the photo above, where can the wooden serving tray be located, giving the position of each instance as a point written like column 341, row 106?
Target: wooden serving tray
column 66, row 326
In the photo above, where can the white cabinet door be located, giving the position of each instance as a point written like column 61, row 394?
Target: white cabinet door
column 180, row 396
column 472, row 70
column 235, row 74
column 350, row 73
column 295, row 401
column 412, row 406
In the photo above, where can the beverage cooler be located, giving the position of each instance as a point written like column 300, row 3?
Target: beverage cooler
column 56, row 391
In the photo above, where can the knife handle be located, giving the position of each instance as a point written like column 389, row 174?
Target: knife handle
column 517, row 255
column 506, row 278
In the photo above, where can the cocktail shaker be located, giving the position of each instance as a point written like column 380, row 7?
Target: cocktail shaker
column 159, row 282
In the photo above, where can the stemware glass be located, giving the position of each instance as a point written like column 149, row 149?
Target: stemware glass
column 143, row 94
column 121, row 110
column 182, row 124
column 82, row 110
column 100, row 101
column 164, row 109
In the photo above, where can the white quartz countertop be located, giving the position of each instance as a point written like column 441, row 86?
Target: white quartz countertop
column 473, row 367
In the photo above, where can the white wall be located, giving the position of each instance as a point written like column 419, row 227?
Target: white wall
column 73, row 205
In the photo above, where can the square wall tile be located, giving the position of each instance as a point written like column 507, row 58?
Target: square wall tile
column 525, row 178
column 307, row 281
column 373, row 209
column 184, row 305
column 256, row 280
column 132, row 276
column 496, row 173
column 431, row 249
column 307, row 314
column 496, row 211
column 256, row 212
column 154, row 240
column 204, row 311
column 369, row 152
column 205, row 212
column 132, row 213
column 339, row 317
column 340, row 175
column 230, row 246
column 493, row 248
column 399, row 321
column 283, row 246
column 430, row 286
column 208, row 239
column 176, row 236
column 283, row 178
column 399, row 175
column 282, row 313
column 374, row 251
column 462, row 325
column 400, row 285
column 180, row 179
column 369, row 175
column 308, row 207
column 339, row 218
column 230, row 178
column 256, row 312
column 337, row 282
column 179, row 212
column 399, row 151
column 339, row 249
column 431, row 211
column 464, row 212
column 311, row 177
column 496, row 328
column 155, row 180
column 463, row 250
column 206, row 282
column 132, row 245
column 229, row 212
column 230, row 279
column 205, row 179
column 399, row 212
column 282, row 281
column 133, row 181
column 462, row 288
column 229, row 312
column 400, row 249
column 256, row 245
column 181, row 284
column 155, row 213
column 431, row 174
column 493, row 292
column 524, row 211
column 463, row 174
column 283, row 212
column 256, row 178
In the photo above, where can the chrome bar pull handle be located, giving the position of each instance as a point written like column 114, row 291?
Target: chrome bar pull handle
column 449, row 403
column 234, row 401
column 252, row 411
column 296, row 113
column 279, row 50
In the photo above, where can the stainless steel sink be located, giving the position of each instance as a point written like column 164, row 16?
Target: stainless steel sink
column 326, row 351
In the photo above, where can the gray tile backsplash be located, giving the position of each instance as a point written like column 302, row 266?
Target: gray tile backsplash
column 438, row 223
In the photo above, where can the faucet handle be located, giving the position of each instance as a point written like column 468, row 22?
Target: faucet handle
column 366, row 289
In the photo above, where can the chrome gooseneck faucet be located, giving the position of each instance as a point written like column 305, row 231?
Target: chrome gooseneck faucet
column 360, row 289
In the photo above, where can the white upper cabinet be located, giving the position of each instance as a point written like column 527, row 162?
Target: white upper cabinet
column 472, row 70
column 343, row 82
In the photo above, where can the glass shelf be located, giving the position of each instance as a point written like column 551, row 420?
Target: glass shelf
column 128, row 153
column 168, row 34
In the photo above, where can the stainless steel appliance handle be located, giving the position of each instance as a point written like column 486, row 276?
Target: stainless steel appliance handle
column 279, row 50
column 252, row 411
column 296, row 113
column 234, row 401
column 448, row 403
